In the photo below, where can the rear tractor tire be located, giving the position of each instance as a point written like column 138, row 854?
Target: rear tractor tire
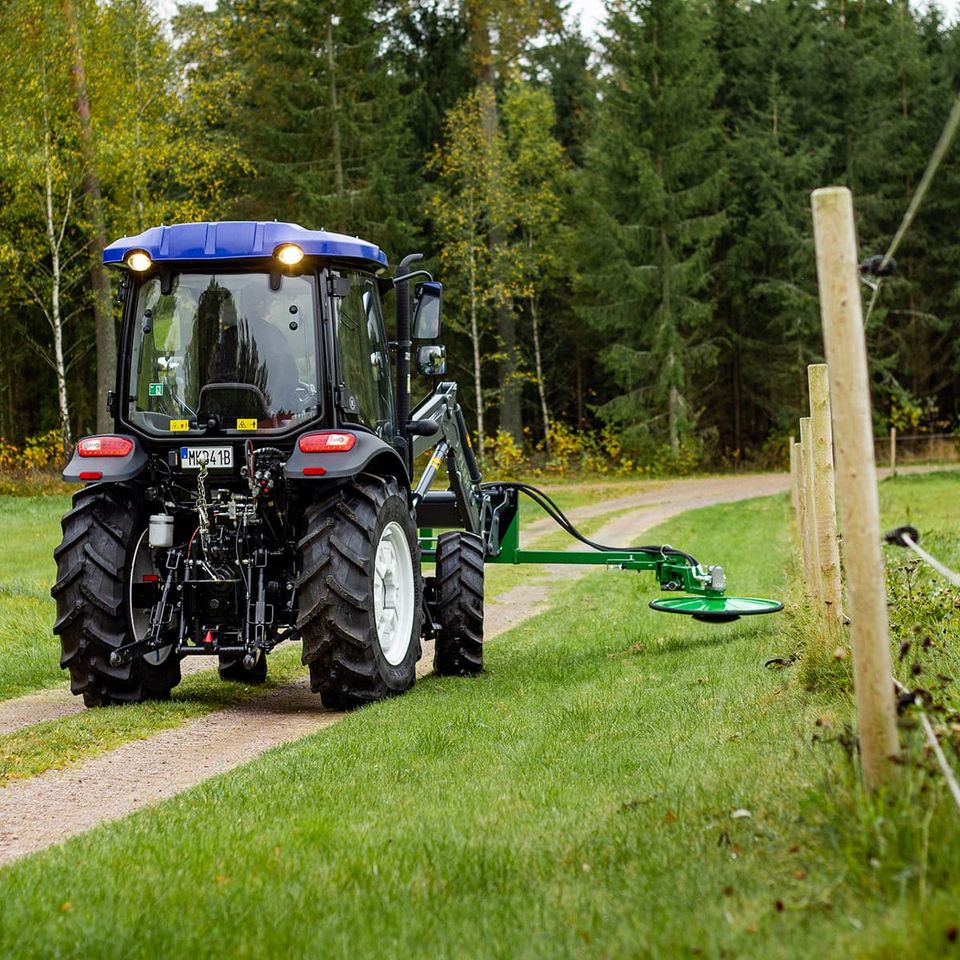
column 458, row 605
column 103, row 552
column 361, row 593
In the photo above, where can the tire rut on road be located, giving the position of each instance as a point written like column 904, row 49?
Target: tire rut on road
column 33, row 813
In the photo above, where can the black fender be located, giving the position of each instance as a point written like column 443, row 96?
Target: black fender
column 110, row 469
column 370, row 454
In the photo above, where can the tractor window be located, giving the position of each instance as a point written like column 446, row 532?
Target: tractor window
column 364, row 356
column 224, row 347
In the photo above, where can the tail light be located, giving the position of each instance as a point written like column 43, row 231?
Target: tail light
column 327, row 442
column 105, row 447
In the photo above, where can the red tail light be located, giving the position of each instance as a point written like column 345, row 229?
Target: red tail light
column 327, row 442
column 105, row 447
column 91, row 475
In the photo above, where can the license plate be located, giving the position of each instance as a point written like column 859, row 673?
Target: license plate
column 218, row 458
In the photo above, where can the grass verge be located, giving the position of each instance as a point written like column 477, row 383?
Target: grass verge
column 29, row 653
column 617, row 784
column 54, row 744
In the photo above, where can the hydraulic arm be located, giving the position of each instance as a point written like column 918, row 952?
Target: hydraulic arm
column 491, row 511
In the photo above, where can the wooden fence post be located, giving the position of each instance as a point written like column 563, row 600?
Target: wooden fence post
column 824, row 499
column 893, row 451
column 842, row 312
column 794, row 473
column 810, row 514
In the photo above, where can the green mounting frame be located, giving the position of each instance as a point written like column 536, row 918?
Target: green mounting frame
column 707, row 600
column 673, row 572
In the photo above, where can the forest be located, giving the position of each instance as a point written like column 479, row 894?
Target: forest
column 621, row 222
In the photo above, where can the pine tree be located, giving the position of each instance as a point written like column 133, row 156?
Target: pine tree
column 767, row 315
column 656, row 169
column 318, row 113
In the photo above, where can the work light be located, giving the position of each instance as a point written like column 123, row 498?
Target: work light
column 289, row 254
column 139, row 261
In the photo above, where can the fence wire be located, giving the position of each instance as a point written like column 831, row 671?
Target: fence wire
column 934, row 742
column 939, row 152
column 908, row 537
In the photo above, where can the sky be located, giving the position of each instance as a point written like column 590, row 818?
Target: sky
column 591, row 11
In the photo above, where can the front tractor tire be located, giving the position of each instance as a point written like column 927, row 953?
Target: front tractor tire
column 103, row 547
column 458, row 605
column 361, row 593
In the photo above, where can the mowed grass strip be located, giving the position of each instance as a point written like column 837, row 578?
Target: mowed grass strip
column 29, row 532
column 55, row 744
column 29, row 653
column 576, row 800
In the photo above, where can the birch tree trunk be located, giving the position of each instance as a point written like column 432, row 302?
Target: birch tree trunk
column 54, row 316
column 106, row 337
column 535, row 321
column 334, row 119
column 511, row 414
column 475, row 340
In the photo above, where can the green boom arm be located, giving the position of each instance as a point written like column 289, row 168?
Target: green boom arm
column 490, row 511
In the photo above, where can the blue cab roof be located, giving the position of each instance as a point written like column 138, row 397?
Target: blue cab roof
column 240, row 239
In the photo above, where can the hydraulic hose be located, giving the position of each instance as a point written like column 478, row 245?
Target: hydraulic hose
column 549, row 507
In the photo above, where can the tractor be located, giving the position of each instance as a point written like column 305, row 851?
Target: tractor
column 259, row 483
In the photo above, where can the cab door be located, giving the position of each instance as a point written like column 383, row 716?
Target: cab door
column 365, row 386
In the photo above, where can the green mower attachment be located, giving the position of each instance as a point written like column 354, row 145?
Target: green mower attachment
column 717, row 609
column 675, row 570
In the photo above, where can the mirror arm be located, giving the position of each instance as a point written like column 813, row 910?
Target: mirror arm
column 403, row 278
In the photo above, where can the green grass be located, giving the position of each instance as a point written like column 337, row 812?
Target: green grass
column 29, row 653
column 576, row 800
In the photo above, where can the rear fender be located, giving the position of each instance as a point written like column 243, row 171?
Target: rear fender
column 111, row 469
column 369, row 455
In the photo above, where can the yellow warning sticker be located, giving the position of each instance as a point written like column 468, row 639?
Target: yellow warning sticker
column 179, row 426
column 467, row 434
column 435, row 462
column 250, row 424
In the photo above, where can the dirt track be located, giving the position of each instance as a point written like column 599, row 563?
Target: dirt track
column 55, row 805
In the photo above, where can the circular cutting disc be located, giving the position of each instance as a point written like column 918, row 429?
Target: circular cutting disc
column 717, row 609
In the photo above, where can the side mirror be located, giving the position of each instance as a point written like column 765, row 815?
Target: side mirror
column 432, row 360
column 426, row 310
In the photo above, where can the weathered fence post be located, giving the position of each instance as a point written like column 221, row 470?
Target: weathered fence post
column 824, row 499
column 811, row 564
column 843, row 334
column 893, row 451
column 794, row 473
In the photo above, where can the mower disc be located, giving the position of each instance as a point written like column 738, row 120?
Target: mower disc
column 717, row 609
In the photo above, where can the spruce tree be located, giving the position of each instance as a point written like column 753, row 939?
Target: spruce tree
column 656, row 173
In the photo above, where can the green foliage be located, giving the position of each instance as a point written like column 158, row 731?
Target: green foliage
column 633, row 212
column 656, row 175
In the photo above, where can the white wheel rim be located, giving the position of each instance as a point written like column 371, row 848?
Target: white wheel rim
column 142, row 566
column 393, row 593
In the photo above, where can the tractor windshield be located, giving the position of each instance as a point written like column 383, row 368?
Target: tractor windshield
column 224, row 347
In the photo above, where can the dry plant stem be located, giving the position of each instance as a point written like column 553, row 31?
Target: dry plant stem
column 841, row 310
column 810, row 516
column 825, row 501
